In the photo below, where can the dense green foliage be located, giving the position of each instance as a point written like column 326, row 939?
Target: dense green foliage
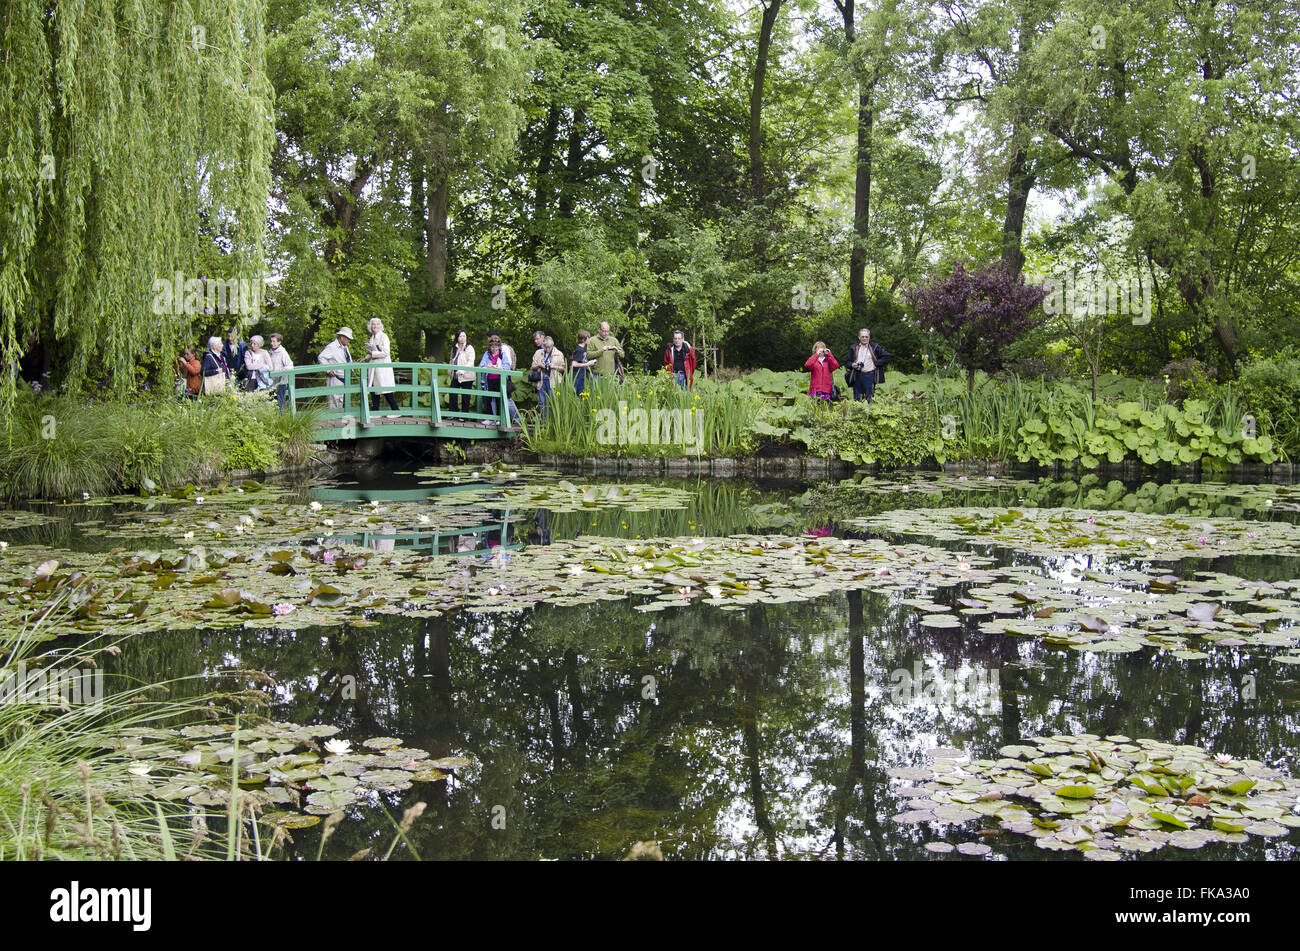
column 760, row 179
column 136, row 139
column 920, row 420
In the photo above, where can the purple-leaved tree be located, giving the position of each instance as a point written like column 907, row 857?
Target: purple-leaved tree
column 979, row 313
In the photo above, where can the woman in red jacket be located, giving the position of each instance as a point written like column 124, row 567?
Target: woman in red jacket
column 822, row 363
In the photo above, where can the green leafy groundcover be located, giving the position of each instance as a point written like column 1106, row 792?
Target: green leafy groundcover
column 278, row 766
column 1154, row 433
column 1051, row 531
column 1101, row 797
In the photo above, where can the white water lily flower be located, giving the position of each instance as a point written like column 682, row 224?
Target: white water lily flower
column 328, row 523
column 188, row 535
column 3, row 545
column 1150, row 541
column 1268, row 501
column 315, row 506
column 424, row 520
column 139, row 769
column 374, row 503
column 576, row 569
column 493, row 592
column 633, row 569
column 337, row 747
column 1222, row 758
column 684, row 591
column 85, row 495
column 714, row 591
column 246, row 520
column 198, row 500
column 474, row 475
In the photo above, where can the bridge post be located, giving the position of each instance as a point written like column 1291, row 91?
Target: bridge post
column 365, row 398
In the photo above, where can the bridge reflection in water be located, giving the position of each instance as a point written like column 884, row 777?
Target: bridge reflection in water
column 494, row 533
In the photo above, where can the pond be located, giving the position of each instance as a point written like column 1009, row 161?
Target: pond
column 744, row 691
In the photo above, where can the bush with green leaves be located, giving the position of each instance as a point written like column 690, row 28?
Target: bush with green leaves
column 894, row 431
column 1269, row 389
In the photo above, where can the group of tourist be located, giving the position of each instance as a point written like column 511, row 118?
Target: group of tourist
column 254, row 367
column 248, row 366
column 864, row 367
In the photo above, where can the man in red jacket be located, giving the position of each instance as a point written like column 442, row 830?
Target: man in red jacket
column 680, row 358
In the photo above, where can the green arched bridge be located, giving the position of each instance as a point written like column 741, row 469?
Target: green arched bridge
column 429, row 404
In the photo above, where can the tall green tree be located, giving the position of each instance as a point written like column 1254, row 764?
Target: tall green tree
column 136, row 139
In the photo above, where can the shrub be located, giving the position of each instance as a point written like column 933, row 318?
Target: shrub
column 1189, row 379
column 1269, row 389
column 893, row 431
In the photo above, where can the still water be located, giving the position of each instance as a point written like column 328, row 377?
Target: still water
column 764, row 733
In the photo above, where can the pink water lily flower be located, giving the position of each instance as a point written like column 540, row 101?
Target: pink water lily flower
column 282, row 609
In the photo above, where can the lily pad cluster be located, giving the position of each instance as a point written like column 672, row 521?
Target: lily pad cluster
column 564, row 496
column 1103, row 797
column 1125, row 610
column 283, row 767
column 499, row 472
column 253, row 586
column 13, row 519
column 1052, row 531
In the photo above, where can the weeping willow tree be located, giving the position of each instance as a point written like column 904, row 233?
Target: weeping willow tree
column 135, row 138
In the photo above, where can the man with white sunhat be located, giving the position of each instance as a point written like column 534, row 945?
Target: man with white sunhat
column 336, row 352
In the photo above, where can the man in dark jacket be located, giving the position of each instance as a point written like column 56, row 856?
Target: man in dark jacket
column 864, row 366
column 233, row 350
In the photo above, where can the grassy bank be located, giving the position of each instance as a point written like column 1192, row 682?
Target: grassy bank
column 923, row 420
column 59, row 447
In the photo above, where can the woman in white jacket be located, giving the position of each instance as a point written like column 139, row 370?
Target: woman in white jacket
column 379, row 350
column 462, row 355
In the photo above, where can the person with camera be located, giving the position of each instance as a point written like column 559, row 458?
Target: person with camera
column 864, row 366
column 546, row 372
column 822, row 363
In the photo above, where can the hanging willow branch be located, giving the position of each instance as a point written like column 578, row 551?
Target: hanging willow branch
column 135, row 139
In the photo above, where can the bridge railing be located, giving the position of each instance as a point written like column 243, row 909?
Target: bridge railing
column 420, row 390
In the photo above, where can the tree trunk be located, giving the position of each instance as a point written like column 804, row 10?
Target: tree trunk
column 862, row 176
column 1020, row 182
column 542, row 189
column 418, row 213
column 572, row 165
column 757, row 191
column 435, row 262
